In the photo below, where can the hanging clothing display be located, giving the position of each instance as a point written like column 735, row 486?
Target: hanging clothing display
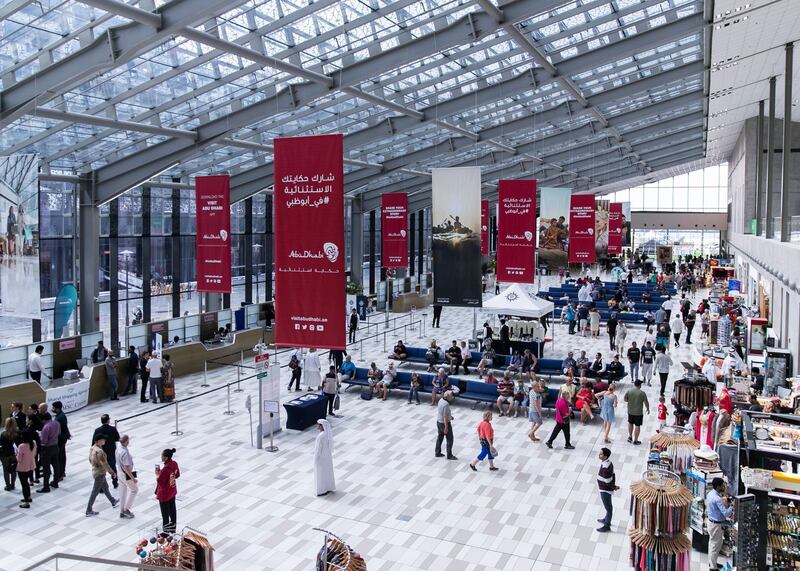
column 679, row 443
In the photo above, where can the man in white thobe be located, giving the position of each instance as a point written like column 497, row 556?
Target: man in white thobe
column 324, row 480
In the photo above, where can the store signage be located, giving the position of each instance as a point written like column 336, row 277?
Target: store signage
column 213, row 244
column 394, row 230
column 581, row 229
column 615, row 229
column 309, row 242
column 73, row 396
column 516, row 231
column 484, row 227
column 158, row 327
column 68, row 344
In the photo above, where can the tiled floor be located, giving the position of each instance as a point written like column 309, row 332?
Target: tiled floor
column 397, row 504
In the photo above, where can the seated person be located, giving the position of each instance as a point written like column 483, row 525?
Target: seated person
column 646, row 297
column 175, row 341
column 754, row 405
column 487, row 360
column 584, row 401
column 569, row 386
column 453, row 356
column 348, row 369
column 521, row 398
column 432, row 355
column 597, row 368
column 631, row 305
column 399, row 351
column 529, row 361
column 649, row 317
column 440, row 384
column 386, row 381
column 374, row 375
column 582, row 364
column 505, row 391
column 466, row 357
column 490, row 378
column 615, row 369
column 515, row 365
column 569, row 363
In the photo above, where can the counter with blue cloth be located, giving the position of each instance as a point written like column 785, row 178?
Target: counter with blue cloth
column 305, row 411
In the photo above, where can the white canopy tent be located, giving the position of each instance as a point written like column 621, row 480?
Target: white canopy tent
column 517, row 301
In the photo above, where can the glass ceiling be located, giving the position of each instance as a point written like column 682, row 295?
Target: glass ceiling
column 183, row 84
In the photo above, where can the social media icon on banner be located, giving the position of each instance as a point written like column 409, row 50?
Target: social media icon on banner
column 297, row 326
column 320, row 328
column 312, row 327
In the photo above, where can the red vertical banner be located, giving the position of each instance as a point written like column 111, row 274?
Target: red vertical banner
column 309, row 242
column 212, row 200
column 581, row 229
column 394, row 230
column 615, row 229
column 484, row 227
column 516, row 231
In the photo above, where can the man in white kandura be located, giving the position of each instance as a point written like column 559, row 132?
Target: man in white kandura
column 323, row 459
column 311, row 369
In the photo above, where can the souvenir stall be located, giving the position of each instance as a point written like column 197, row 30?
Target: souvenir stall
column 336, row 555
column 704, row 468
column 189, row 549
column 676, row 445
column 524, row 314
column 691, row 392
column 659, row 520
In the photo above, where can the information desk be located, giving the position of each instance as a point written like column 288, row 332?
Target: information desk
column 73, row 394
column 305, row 411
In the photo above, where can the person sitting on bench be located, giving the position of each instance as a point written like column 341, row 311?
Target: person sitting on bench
column 487, row 360
column 615, row 369
column 348, row 369
column 584, row 401
column 466, row 356
column 597, row 368
column 453, row 356
column 505, row 390
column 529, row 361
column 582, row 364
column 399, row 352
column 515, row 366
column 569, row 363
column 432, row 355
column 374, row 375
column 441, row 383
column 386, row 381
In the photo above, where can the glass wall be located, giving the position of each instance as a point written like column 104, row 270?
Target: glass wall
column 683, row 242
column 704, row 190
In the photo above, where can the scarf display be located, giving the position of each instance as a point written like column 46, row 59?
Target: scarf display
column 679, row 443
column 336, row 555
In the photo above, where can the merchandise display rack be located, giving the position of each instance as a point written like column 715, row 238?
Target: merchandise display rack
column 679, row 443
column 659, row 519
column 188, row 549
column 698, row 480
column 690, row 392
column 336, row 555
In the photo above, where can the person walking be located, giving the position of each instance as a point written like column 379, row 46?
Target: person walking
column 677, row 328
column 571, row 318
column 130, row 484
column 144, row 374
column 111, row 437
column 99, row 462
column 311, row 367
column 648, row 361
column 719, row 512
column 9, row 440
column 486, row 439
column 691, row 320
column 26, row 464
column 155, row 378
column 111, row 375
column 634, row 356
column 35, row 367
column 562, row 421
column 607, row 412
column 296, row 366
column 622, row 335
column 611, row 329
column 133, row 371
column 48, row 437
column 168, row 379
column 353, row 327
column 607, row 484
column 637, row 404
column 324, row 480
column 662, row 365
column 437, row 314
column 167, row 490
column 444, row 426
column 329, row 387
column 535, row 408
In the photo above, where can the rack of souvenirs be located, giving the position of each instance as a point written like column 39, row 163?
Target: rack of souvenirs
column 336, row 555
column 746, row 532
column 659, row 519
column 711, row 427
column 690, row 392
column 705, row 467
column 677, row 443
column 189, row 549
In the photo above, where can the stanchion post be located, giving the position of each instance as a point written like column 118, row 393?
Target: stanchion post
column 177, row 431
column 424, row 318
column 239, row 389
column 361, row 342
column 384, row 341
column 271, row 447
column 229, row 411
column 205, row 374
column 419, row 331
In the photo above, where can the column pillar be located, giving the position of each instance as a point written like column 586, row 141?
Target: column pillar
column 89, row 258
column 759, row 167
column 371, row 252
column 269, row 248
column 113, row 273
column 412, row 226
column 421, row 247
column 175, row 240
column 768, row 225
column 147, row 195
column 248, row 250
column 356, row 242
column 786, row 219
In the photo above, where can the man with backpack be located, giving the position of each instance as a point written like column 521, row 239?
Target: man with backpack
column 296, row 366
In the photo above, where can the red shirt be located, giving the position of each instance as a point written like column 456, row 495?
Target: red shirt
column 485, row 430
column 165, row 482
column 725, row 402
column 562, row 411
column 662, row 411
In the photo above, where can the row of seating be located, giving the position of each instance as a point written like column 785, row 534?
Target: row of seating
column 640, row 306
column 631, row 286
column 544, row 367
column 558, row 293
column 626, row 316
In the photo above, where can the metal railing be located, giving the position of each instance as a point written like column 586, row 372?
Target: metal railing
column 405, row 327
column 51, row 563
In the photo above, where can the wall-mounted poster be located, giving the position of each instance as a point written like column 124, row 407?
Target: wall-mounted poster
column 516, row 231
column 582, row 229
column 19, row 238
column 615, row 229
column 213, row 245
column 554, row 227
column 663, row 255
column 456, row 236
column 601, row 227
column 394, row 230
column 309, row 242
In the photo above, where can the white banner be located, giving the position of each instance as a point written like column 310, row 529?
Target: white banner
column 74, row 396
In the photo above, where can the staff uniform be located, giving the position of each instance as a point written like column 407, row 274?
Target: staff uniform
column 718, row 514
column 35, row 367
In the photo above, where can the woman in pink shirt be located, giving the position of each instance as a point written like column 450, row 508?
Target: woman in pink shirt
column 166, row 490
column 562, row 421
column 26, row 464
column 486, row 437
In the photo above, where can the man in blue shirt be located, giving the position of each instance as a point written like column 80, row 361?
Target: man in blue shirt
column 719, row 511
column 348, row 369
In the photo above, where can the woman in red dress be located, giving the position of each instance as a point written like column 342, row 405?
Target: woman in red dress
column 584, row 400
column 166, row 490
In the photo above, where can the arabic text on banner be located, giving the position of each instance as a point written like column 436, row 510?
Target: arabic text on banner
column 516, row 231
column 213, row 245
